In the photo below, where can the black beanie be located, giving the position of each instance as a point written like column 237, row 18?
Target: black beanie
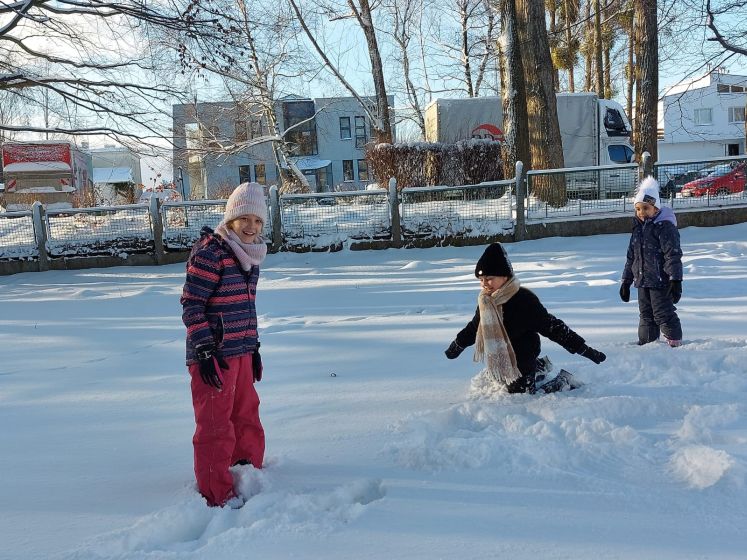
column 494, row 262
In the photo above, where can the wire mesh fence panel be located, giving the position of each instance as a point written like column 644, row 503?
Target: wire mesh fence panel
column 582, row 191
column 468, row 210
column 17, row 240
column 324, row 219
column 112, row 230
column 182, row 221
column 710, row 182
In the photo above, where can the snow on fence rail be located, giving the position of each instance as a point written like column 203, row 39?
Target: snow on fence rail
column 104, row 230
column 464, row 211
column 17, row 238
column 325, row 219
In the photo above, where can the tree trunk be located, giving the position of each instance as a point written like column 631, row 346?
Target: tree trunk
column 589, row 52
column 569, row 43
column 631, row 72
column 382, row 128
column 516, row 131
column 544, row 132
column 464, row 29
column 648, row 65
column 598, row 49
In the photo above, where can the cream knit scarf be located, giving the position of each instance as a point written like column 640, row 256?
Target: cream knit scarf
column 248, row 254
column 492, row 341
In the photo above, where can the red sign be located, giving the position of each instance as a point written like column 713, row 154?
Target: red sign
column 26, row 153
column 488, row 132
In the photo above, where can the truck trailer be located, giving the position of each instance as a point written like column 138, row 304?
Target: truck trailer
column 594, row 132
column 54, row 173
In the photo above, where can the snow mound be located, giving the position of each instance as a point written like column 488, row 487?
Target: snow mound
column 190, row 526
column 700, row 466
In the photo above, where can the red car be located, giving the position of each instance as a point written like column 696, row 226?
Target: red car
column 718, row 180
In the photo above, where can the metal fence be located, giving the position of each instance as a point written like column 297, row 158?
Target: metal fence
column 329, row 218
column 182, row 221
column 464, row 211
column 580, row 191
column 17, row 236
column 707, row 182
column 106, row 230
column 324, row 220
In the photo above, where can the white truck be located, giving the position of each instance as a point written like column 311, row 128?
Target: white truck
column 594, row 132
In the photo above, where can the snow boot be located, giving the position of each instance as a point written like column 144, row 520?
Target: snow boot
column 564, row 381
column 544, row 366
column 674, row 343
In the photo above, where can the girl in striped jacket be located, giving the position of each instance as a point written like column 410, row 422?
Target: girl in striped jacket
column 223, row 358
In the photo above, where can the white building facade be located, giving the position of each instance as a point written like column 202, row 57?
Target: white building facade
column 327, row 142
column 704, row 118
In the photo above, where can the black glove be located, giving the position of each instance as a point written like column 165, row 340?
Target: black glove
column 590, row 354
column 257, row 364
column 453, row 350
column 208, row 359
column 625, row 292
column 675, row 290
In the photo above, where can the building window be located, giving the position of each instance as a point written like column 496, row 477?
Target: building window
column 345, row 128
column 255, row 130
column 360, row 132
column 736, row 114
column 722, row 88
column 737, row 89
column 240, row 127
column 347, row 170
column 703, row 116
column 362, row 170
column 259, row 174
column 245, row 174
column 303, row 136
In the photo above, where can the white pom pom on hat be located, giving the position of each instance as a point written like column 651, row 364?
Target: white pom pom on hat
column 648, row 192
column 247, row 198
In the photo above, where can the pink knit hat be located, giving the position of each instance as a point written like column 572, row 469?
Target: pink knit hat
column 247, row 198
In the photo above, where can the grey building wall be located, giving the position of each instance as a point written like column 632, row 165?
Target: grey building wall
column 224, row 120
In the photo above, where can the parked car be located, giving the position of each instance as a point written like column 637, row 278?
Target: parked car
column 673, row 178
column 718, row 180
column 165, row 195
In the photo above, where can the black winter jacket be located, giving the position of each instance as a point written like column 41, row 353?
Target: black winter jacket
column 525, row 318
column 654, row 254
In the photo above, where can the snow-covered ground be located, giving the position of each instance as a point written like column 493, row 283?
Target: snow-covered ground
column 379, row 447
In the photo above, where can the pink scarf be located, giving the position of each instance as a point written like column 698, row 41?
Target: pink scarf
column 248, row 254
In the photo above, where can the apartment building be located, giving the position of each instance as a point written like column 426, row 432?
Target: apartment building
column 704, row 118
column 326, row 137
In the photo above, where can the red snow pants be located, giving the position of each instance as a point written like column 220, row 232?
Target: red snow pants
column 228, row 428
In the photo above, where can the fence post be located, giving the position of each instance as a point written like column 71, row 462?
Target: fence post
column 38, row 216
column 157, row 222
column 277, row 225
column 394, row 213
column 648, row 165
column 520, row 229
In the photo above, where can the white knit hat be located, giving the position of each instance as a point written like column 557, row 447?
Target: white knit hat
column 247, row 198
column 648, row 191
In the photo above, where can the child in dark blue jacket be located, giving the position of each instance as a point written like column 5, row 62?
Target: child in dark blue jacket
column 654, row 265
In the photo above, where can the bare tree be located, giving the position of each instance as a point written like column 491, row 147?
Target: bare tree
column 647, row 59
column 544, row 131
column 405, row 18
column 119, row 87
column 515, row 120
column 380, row 114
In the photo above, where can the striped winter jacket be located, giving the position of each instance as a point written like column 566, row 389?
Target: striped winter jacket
column 219, row 296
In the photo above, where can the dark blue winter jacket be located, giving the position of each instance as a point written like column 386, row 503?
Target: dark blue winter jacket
column 654, row 253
